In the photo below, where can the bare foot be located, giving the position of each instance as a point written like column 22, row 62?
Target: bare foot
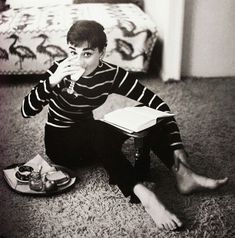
column 188, row 181
column 161, row 216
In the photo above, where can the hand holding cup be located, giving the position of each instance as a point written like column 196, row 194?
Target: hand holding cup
column 69, row 66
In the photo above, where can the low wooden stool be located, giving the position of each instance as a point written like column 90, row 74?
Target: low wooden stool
column 142, row 158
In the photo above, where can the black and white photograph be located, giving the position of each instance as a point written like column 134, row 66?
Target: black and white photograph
column 117, row 119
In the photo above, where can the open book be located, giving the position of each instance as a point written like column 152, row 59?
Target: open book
column 135, row 119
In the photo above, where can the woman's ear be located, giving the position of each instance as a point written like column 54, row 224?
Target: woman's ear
column 102, row 53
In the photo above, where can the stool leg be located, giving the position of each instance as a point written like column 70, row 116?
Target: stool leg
column 142, row 159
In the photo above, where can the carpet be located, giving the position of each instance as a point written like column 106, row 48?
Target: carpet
column 206, row 116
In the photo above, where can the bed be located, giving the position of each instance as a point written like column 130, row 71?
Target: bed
column 31, row 38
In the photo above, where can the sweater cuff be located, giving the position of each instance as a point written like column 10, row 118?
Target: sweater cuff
column 47, row 87
column 177, row 146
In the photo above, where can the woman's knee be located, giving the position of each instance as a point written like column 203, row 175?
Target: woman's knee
column 107, row 137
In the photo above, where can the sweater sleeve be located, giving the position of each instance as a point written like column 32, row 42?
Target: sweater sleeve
column 39, row 96
column 127, row 85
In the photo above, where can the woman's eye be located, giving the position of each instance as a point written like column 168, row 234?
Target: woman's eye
column 87, row 54
column 73, row 53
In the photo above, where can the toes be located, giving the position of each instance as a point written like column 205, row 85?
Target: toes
column 166, row 227
column 177, row 225
column 169, row 226
column 161, row 227
column 223, row 181
column 219, row 182
column 177, row 221
column 172, row 225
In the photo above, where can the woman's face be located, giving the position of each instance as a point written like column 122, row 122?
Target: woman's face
column 88, row 58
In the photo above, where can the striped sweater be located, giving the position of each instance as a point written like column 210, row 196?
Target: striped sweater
column 91, row 92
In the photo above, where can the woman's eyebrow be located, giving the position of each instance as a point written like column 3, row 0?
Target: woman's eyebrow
column 84, row 49
column 72, row 48
column 89, row 48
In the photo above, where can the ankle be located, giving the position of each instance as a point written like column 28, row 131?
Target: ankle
column 182, row 170
column 143, row 193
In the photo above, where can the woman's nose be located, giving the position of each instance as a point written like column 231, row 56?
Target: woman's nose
column 80, row 60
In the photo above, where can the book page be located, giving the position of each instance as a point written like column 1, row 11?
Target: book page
column 149, row 112
column 119, row 127
column 135, row 118
column 128, row 119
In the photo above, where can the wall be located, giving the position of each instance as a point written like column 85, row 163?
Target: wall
column 157, row 10
column 208, row 48
column 209, row 38
column 168, row 16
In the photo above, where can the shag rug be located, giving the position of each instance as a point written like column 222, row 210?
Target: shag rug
column 92, row 208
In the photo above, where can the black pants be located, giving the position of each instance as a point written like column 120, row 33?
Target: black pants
column 95, row 140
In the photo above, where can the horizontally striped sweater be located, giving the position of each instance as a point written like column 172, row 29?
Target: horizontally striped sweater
column 91, row 92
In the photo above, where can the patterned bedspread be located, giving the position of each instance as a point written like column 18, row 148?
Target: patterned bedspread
column 32, row 38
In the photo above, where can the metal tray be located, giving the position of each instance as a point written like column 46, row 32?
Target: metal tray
column 23, row 188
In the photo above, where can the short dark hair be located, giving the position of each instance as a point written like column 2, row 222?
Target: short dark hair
column 87, row 31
